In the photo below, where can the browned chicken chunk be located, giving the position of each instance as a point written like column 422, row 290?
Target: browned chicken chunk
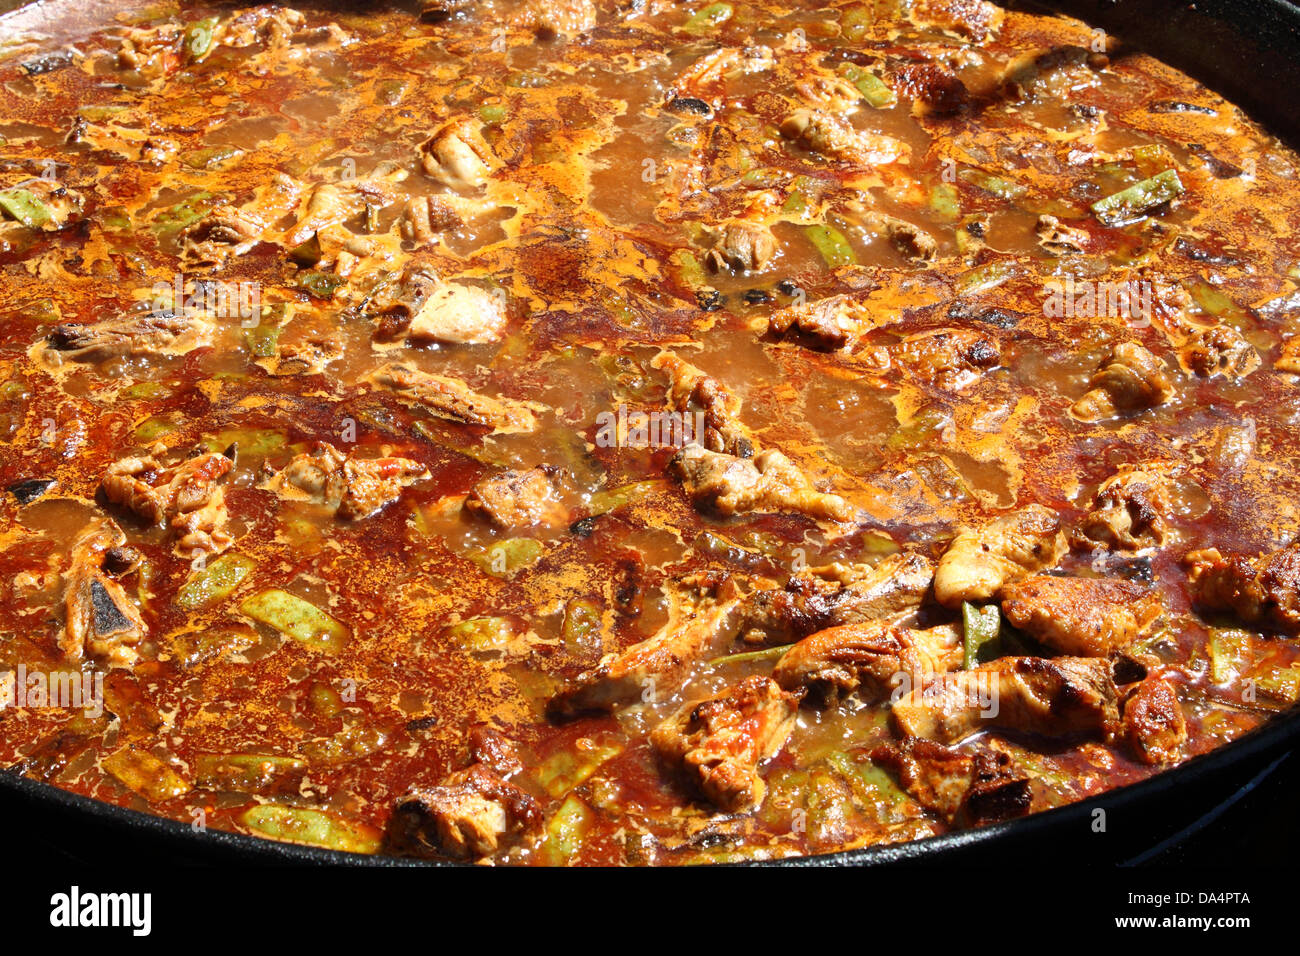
column 1060, row 697
column 874, row 658
column 1154, row 726
column 470, row 814
column 1132, row 508
column 967, row 788
column 188, row 497
column 769, row 482
column 1261, row 590
column 353, row 487
column 458, row 156
column 691, row 391
column 453, row 400
column 825, row 597
column 836, row 139
column 1083, row 617
column 979, row 563
column 745, row 246
column 152, row 333
column 950, row 360
column 99, row 620
column 1131, row 380
column 719, row 744
column 519, row 499
column 696, row 622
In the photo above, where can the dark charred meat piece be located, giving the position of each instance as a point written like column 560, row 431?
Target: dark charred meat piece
column 1261, row 590
column 1060, row 697
column 971, row 788
column 99, row 620
column 471, row 814
column 25, row 492
column 1154, row 726
column 720, row 743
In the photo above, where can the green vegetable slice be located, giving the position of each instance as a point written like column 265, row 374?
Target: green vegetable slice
column 214, row 582
column 707, row 18
column 23, row 205
column 982, row 626
column 295, row 618
column 145, row 774
column 1131, row 204
column 831, row 244
column 312, row 827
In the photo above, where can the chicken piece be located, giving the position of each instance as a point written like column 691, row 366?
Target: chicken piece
column 493, row 750
column 974, row 20
column 873, row 658
column 1082, row 617
column 1131, row 380
column 1131, row 508
column 148, row 334
column 354, row 488
column 909, row 239
column 828, row 91
column 965, row 788
column 745, row 246
column 1059, row 240
column 690, row 391
column 1220, row 350
column 188, row 498
column 304, row 351
column 519, row 499
column 1060, row 697
column 223, row 232
column 696, row 622
column 458, row 156
column 1153, row 725
column 828, row 325
column 826, row 597
column 460, row 315
column 425, row 217
column 1261, row 590
column 99, row 620
column 948, row 359
column 770, row 482
column 978, row 564
column 453, row 400
column 703, row 80
column 471, row 814
column 1289, row 360
column 720, row 743
column 836, row 139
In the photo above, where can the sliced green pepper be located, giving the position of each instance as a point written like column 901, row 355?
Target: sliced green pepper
column 23, row 205
column 981, row 627
column 1137, row 200
column 832, row 245
column 215, row 582
column 295, row 618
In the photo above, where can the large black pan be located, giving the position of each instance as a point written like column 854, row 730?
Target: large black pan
column 1248, row 50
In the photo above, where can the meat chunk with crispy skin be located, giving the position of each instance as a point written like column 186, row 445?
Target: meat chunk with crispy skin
column 188, row 497
column 745, row 246
column 819, row 598
column 1083, row 617
column 828, row 324
column 1261, row 590
column 1132, row 507
column 769, row 482
column 1131, row 380
column 1058, row 239
column 692, row 391
column 1154, row 726
column 470, row 814
column 697, row 621
column 975, row 20
column 874, row 658
column 834, row 138
column 1057, row 697
column 99, row 620
column 719, row 744
column 979, row 563
column 149, row 334
column 458, row 156
column 519, row 499
column 222, row 233
column 353, row 487
column 951, row 360
column 967, row 788
column 453, row 400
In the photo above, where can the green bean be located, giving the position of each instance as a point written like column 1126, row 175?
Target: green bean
column 1131, row 204
column 981, row 627
column 297, row 619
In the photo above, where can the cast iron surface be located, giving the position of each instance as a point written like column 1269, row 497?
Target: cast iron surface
column 1248, row 50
